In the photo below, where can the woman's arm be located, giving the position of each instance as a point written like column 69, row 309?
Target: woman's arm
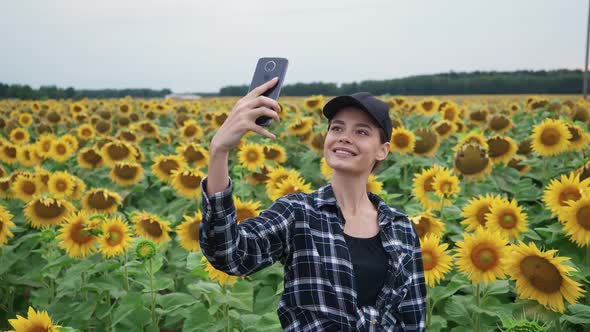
column 255, row 243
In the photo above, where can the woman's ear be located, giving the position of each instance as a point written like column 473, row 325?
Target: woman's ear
column 383, row 151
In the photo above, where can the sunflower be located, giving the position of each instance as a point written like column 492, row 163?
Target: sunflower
column 115, row 238
column 500, row 124
column 19, row 136
column 427, row 142
column 8, row 153
column 316, row 142
column 425, row 224
column 25, row 120
column 402, row 140
column 543, row 277
column 502, row 149
column 550, row 138
column 472, row 137
column 187, row 182
column 476, row 211
column 129, row 136
column 423, row 184
column 151, row 227
column 188, row 232
column 275, row 152
column 163, row 166
column 482, row 255
column 313, row 103
column 583, row 171
column 373, row 185
column 576, row 218
column 259, row 177
column 27, row 155
column 42, row 212
column 435, row 259
column 506, row 218
column 117, row 151
column 428, row 106
column 89, row 158
column 74, row 236
column 251, row 156
column 218, row 118
column 35, row 321
column 445, row 184
column 472, row 161
column 292, row 184
column 246, row 209
column 126, row 174
column 300, row 126
column 450, row 112
column 194, row 153
column 101, row 201
column 25, row 187
column 559, row 192
column 60, row 184
column 5, row 225
column 86, row 131
column 71, row 140
column 79, row 188
column 479, row 116
column 61, row 150
column 444, row 128
column 325, row 169
column 220, row 277
column 191, row 130
column 579, row 137
column 44, row 143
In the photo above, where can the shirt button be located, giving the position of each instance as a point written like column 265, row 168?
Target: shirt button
column 374, row 321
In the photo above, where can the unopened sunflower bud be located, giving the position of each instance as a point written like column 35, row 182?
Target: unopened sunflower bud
column 145, row 249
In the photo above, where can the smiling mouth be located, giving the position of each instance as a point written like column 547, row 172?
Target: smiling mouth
column 343, row 153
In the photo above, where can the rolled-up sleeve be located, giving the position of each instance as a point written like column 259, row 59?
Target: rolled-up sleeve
column 255, row 243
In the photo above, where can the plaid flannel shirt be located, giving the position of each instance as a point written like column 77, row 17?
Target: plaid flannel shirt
column 305, row 233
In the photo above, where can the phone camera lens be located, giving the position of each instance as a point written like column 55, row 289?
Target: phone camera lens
column 270, row 66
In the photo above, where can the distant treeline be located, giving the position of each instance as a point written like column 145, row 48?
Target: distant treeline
column 453, row 83
column 53, row 92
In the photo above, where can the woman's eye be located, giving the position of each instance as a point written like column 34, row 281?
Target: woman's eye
column 363, row 132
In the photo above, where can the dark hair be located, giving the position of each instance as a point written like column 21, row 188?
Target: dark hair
column 383, row 140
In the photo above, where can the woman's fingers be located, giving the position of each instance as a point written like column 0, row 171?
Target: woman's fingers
column 260, row 111
column 262, row 88
column 260, row 130
column 265, row 101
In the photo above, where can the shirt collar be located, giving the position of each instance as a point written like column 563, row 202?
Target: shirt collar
column 325, row 197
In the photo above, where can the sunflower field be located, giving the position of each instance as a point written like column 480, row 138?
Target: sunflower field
column 100, row 210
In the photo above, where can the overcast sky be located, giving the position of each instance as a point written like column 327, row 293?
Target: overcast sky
column 202, row 45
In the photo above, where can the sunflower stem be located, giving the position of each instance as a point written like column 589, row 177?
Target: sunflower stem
column 442, row 205
column 126, row 277
column 477, row 303
column 429, row 309
column 153, row 293
column 226, row 308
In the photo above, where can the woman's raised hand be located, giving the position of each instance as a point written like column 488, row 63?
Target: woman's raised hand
column 243, row 116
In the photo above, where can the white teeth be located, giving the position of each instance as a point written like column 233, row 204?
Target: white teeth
column 342, row 152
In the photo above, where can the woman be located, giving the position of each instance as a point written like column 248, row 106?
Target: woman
column 351, row 262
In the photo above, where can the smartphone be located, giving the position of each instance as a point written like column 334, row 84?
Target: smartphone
column 266, row 70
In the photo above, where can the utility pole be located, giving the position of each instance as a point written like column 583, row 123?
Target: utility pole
column 586, row 66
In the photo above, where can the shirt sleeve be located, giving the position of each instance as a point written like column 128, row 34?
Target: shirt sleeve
column 413, row 308
column 245, row 248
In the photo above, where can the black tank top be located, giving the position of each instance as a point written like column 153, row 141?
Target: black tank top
column 369, row 261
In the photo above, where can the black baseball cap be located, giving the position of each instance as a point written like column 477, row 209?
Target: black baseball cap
column 365, row 101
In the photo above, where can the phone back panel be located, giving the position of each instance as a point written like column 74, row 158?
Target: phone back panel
column 267, row 69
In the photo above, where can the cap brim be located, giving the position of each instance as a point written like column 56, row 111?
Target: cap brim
column 339, row 103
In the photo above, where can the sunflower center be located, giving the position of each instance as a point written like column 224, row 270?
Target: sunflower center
column 29, row 188
column 427, row 105
column 583, row 217
column 543, row 275
column 91, row 157
column 86, row 132
column 100, row 200
column 271, row 154
column 429, row 184
column 50, row 211
column 498, row 147
column 484, row 258
column 443, row 128
column 190, row 180
column 446, row 188
column 168, row 165
column 61, row 185
column 148, row 128
column 508, row 220
column 481, row 215
column 422, row 227
column 550, row 136
column 19, row 135
column 318, row 141
column 428, row 260
column 126, row 171
column 124, row 108
column 103, row 126
column 115, row 237
column 193, row 155
column 152, row 227
column 118, row 151
column 401, row 140
column 61, row 149
column 252, row 156
column 426, row 141
column 568, row 194
column 190, row 131
column 79, row 235
column 220, row 119
column 193, row 231
column 499, row 122
column 576, row 136
column 471, row 160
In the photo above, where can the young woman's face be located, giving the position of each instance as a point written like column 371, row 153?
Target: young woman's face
column 352, row 143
